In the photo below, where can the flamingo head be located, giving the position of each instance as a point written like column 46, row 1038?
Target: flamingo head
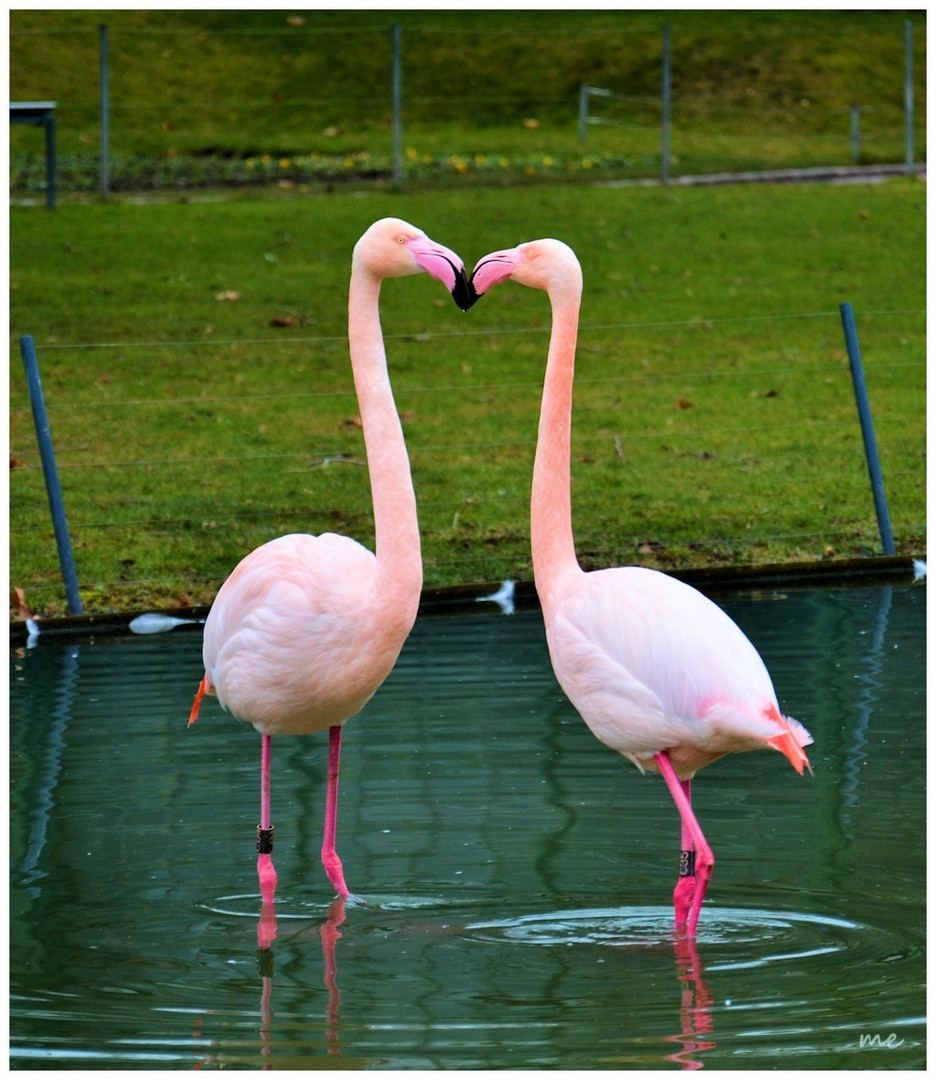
column 541, row 264
column 392, row 247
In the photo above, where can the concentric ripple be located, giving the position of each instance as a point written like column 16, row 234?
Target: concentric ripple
column 792, row 933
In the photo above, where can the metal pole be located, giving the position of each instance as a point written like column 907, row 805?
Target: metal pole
column 667, row 76
column 583, row 115
column 50, row 472
column 397, row 105
column 867, row 428
column 105, row 114
column 908, row 91
column 855, row 135
column 49, row 124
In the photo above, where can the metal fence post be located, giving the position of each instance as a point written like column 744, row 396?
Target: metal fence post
column 50, row 472
column 105, row 113
column 867, row 428
column 667, row 76
column 397, row 105
column 908, row 91
column 583, row 115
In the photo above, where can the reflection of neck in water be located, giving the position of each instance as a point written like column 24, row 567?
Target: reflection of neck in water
column 695, row 1021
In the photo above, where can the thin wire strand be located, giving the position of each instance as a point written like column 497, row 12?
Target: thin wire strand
column 701, row 322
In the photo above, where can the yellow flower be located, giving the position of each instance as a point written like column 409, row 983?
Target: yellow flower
column 285, row 163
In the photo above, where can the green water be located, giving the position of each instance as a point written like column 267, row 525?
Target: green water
column 513, row 875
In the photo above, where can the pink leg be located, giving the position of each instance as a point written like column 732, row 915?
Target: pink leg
column 330, row 859
column 696, row 860
column 265, row 869
column 686, row 883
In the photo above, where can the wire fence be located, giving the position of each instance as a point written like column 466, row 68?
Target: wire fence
column 711, row 499
column 327, row 103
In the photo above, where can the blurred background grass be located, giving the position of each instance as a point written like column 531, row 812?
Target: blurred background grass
column 201, row 98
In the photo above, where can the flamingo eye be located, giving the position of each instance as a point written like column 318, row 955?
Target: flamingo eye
column 401, row 239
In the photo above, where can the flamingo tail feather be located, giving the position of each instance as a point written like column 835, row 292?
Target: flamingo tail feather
column 196, row 704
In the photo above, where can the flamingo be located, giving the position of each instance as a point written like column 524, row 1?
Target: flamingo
column 658, row 671
column 306, row 628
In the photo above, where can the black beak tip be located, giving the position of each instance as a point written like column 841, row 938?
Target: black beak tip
column 464, row 292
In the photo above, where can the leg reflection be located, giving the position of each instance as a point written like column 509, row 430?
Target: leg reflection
column 266, row 935
column 330, row 935
column 695, row 1020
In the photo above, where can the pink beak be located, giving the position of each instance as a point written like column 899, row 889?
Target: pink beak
column 492, row 270
column 444, row 265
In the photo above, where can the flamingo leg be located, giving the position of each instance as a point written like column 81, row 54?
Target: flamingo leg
column 686, row 883
column 330, row 859
column 265, row 869
column 696, row 859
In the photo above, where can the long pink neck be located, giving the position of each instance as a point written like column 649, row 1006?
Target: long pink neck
column 551, row 537
column 399, row 559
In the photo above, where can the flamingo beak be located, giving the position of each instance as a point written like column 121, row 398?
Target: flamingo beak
column 463, row 292
column 443, row 264
column 491, row 271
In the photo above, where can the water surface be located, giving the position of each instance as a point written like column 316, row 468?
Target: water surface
column 513, row 875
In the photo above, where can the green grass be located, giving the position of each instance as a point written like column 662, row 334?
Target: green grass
column 196, row 95
column 714, row 417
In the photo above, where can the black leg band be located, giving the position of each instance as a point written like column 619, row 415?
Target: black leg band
column 265, row 841
column 687, row 863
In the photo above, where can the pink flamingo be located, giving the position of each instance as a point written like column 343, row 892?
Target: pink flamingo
column 658, row 672
column 306, row 628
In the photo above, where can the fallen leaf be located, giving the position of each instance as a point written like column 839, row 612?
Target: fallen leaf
column 649, row 547
column 228, row 294
column 283, row 320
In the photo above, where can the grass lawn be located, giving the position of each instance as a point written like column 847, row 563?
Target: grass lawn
column 194, row 359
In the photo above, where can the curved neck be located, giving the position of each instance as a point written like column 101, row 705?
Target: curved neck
column 399, row 560
column 551, row 539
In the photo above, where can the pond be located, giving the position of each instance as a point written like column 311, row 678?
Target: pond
column 512, row 875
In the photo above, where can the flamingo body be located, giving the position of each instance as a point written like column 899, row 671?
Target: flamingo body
column 288, row 605
column 657, row 671
column 652, row 665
